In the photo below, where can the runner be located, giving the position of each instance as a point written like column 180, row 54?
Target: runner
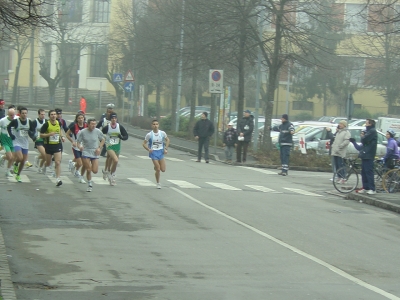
column 6, row 141
column 104, row 121
column 156, row 143
column 39, row 144
column 19, row 131
column 91, row 141
column 73, row 129
column 53, row 137
column 114, row 132
column 17, row 114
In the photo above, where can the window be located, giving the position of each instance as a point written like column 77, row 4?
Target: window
column 356, row 17
column 99, row 61
column 303, row 105
column 4, row 61
column 71, row 11
column 101, row 11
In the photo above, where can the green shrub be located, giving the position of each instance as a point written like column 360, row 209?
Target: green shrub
column 91, row 103
column 151, row 109
column 304, row 116
column 361, row 114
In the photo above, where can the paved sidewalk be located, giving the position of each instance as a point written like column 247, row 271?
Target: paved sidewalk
column 383, row 200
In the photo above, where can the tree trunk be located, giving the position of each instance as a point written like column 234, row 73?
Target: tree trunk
column 15, row 87
column 158, row 100
column 240, row 103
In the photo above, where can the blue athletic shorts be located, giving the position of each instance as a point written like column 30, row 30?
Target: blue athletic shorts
column 157, row 154
column 77, row 153
column 18, row 148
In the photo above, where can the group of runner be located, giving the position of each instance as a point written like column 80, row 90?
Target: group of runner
column 87, row 138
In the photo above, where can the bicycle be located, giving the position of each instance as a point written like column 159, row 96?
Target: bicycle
column 391, row 179
column 346, row 179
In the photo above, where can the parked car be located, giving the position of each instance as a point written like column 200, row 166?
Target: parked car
column 357, row 122
column 355, row 131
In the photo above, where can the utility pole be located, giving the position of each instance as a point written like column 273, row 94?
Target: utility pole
column 30, row 95
column 178, row 97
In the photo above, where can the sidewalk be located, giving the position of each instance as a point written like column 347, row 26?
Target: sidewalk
column 383, row 200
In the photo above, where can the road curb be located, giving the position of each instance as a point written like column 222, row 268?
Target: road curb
column 375, row 202
column 7, row 287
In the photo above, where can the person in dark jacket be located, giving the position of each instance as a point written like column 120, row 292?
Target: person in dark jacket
column 2, row 110
column 230, row 141
column 367, row 152
column 202, row 131
column 286, row 131
column 244, row 129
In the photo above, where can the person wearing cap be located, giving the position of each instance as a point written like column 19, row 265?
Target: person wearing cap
column 286, row 131
column 202, row 131
column 2, row 110
column 339, row 146
column 244, row 129
column 114, row 133
column 104, row 121
column 367, row 152
column 229, row 142
column 392, row 150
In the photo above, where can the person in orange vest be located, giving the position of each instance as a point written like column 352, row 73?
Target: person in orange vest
column 83, row 104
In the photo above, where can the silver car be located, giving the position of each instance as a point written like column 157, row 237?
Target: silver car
column 355, row 131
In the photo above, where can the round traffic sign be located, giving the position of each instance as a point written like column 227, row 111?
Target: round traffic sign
column 216, row 76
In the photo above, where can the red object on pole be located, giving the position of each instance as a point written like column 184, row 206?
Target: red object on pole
column 83, row 104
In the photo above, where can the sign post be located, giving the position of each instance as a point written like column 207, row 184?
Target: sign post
column 216, row 86
column 129, row 87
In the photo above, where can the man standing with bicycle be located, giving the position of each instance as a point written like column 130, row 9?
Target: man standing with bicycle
column 339, row 147
column 367, row 152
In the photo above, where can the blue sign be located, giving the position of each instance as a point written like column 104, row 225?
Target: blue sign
column 117, row 77
column 129, row 86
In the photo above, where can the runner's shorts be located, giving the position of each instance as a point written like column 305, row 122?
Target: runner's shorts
column 157, row 154
column 52, row 148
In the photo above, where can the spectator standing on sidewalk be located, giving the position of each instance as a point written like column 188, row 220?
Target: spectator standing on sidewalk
column 230, row 142
column 286, row 131
column 392, row 150
column 245, row 129
column 367, row 152
column 2, row 110
column 202, row 131
column 339, row 146
column 331, row 136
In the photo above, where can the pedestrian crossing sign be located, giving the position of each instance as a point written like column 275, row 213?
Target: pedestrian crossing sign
column 117, row 77
column 129, row 76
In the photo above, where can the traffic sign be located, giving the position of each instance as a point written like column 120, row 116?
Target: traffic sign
column 129, row 76
column 129, row 86
column 117, row 77
column 216, row 84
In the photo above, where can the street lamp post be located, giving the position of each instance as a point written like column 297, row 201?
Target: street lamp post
column 179, row 92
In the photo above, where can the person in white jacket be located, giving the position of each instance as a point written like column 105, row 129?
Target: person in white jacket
column 339, row 146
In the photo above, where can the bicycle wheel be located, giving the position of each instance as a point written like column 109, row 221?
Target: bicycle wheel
column 345, row 180
column 391, row 181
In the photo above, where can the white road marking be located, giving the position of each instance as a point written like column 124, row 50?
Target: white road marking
column 223, row 186
column 142, row 181
column 99, row 180
column 143, row 157
column 65, row 180
column 37, row 153
column 263, row 189
column 173, row 159
column 294, row 249
column 123, row 156
column 184, row 184
column 259, row 170
column 303, row 192
column 24, row 178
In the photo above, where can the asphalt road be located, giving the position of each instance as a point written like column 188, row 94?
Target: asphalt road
column 214, row 231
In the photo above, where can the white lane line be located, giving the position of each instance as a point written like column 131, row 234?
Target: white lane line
column 303, row 192
column 173, row 159
column 99, row 180
column 294, row 249
column 65, row 180
column 263, row 189
column 259, row 170
column 142, row 181
column 143, row 156
column 223, row 186
column 184, row 184
column 123, row 156
column 24, row 178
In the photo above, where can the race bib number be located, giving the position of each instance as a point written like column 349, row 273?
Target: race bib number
column 23, row 133
column 157, row 145
column 114, row 140
column 54, row 138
